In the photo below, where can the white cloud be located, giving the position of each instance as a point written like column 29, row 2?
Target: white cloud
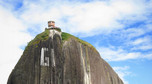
column 121, row 68
column 138, row 38
column 13, row 34
column 141, row 43
column 141, row 40
column 114, row 54
column 85, row 19
column 148, row 56
column 117, row 54
column 123, row 72
column 134, row 32
column 142, row 47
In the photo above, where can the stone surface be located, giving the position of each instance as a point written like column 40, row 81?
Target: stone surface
column 70, row 62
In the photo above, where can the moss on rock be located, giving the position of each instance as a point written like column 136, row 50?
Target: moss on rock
column 40, row 37
column 66, row 36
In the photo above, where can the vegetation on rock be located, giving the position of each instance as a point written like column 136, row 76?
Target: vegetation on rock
column 66, row 36
column 40, row 37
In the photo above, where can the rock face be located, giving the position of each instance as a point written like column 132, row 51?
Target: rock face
column 54, row 59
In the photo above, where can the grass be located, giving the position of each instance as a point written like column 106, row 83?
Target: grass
column 66, row 36
column 40, row 37
column 33, row 43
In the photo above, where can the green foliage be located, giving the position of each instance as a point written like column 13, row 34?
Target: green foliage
column 66, row 36
column 40, row 37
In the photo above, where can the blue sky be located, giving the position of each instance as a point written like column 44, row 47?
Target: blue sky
column 121, row 30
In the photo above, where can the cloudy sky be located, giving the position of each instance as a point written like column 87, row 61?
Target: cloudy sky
column 121, row 30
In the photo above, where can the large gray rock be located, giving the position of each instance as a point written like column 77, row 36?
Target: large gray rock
column 61, row 60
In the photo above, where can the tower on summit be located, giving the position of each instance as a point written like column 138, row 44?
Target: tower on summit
column 51, row 24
